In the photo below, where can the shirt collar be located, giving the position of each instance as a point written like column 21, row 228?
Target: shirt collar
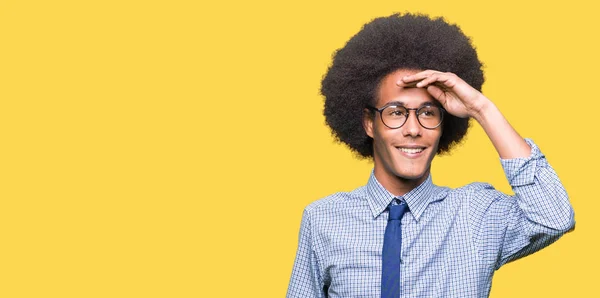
column 417, row 199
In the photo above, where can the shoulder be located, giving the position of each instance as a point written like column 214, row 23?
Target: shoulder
column 333, row 201
column 481, row 195
column 473, row 187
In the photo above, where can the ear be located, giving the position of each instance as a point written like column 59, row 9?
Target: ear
column 367, row 122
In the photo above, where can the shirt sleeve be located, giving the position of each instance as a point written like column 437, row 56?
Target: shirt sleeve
column 306, row 279
column 536, row 215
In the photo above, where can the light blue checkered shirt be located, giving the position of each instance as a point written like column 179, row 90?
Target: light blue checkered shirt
column 452, row 239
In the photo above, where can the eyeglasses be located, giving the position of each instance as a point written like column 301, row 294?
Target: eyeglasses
column 394, row 116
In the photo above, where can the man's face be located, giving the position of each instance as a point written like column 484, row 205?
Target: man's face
column 403, row 153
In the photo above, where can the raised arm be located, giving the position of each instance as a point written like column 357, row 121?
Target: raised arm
column 505, row 227
column 461, row 100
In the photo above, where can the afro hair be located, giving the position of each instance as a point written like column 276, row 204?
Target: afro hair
column 384, row 45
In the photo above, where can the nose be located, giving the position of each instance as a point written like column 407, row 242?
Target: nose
column 412, row 127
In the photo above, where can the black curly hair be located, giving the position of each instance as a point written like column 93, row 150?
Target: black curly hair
column 384, row 45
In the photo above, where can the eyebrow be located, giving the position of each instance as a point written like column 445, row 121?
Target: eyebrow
column 400, row 103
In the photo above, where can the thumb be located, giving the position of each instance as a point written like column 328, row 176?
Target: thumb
column 437, row 93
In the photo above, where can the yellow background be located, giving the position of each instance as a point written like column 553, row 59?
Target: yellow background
column 168, row 148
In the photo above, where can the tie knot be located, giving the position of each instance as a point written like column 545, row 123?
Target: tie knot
column 396, row 211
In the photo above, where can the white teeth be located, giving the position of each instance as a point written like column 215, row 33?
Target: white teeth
column 411, row 150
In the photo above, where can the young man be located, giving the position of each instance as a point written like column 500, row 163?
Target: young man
column 401, row 91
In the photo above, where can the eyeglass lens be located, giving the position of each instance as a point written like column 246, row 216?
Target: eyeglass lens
column 396, row 116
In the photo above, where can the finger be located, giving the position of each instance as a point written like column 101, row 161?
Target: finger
column 406, row 85
column 447, row 82
column 431, row 79
column 419, row 76
column 438, row 79
column 437, row 93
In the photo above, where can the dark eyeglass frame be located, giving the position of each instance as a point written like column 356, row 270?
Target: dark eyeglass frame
column 442, row 111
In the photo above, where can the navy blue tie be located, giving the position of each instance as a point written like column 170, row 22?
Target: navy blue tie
column 392, row 241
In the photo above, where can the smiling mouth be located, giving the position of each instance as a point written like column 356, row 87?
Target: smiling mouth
column 411, row 150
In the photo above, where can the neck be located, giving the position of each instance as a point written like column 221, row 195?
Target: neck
column 396, row 185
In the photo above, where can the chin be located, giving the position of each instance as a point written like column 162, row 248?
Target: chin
column 410, row 171
column 410, row 176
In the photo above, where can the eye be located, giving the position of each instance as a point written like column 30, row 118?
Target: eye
column 428, row 111
column 396, row 112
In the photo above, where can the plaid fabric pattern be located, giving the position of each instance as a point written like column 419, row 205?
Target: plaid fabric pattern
column 452, row 239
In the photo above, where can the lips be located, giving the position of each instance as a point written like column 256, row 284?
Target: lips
column 411, row 151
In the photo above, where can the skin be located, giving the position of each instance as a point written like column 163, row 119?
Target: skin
column 397, row 172
column 400, row 173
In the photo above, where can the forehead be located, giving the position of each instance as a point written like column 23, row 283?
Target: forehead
column 390, row 92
